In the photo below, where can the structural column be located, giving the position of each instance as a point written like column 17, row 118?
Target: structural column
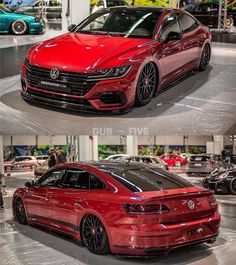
column 132, row 145
column 1, row 162
column 88, row 148
column 74, row 11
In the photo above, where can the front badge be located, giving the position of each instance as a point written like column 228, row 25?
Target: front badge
column 191, row 204
column 54, row 73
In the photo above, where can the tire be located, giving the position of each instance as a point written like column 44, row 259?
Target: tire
column 229, row 22
column 19, row 211
column 205, row 58
column 232, row 186
column 94, row 235
column 146, row 86
column 19, row 27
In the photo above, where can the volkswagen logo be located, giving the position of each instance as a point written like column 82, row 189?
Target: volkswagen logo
column 54, row 73
column 191, row 204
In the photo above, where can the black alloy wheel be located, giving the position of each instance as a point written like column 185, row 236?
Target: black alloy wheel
column 94, row 235
column 19, row 211
column 146, row 86
column 232, row 186
column 205, row 58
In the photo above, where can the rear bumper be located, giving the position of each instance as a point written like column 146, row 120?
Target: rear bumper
column 158, row 238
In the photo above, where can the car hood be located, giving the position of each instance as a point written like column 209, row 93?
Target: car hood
column 21, row 16
column 84, row 52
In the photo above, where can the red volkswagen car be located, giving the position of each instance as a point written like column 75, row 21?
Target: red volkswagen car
column 124, row 208
column 116, row 58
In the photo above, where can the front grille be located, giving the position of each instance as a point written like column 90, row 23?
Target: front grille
column 69, row 83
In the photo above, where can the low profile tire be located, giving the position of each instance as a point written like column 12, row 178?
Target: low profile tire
column 229, row 22
column 94, row 235
column 19, row 211
column 232, row 186
column 205, row 58
column 19, row 27
column 146, row 86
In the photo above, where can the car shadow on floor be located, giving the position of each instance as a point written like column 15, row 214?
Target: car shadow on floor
column 66, row 246
column 158, row 106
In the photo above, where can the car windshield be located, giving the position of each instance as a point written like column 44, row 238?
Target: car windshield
column 139, row 180
column 128, row 23
column 5, row 10
column 19, row 159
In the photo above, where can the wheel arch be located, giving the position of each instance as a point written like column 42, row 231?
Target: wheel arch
column 26, row 22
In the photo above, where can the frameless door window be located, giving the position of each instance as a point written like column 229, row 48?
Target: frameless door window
column 52, row 179
column 170, row 24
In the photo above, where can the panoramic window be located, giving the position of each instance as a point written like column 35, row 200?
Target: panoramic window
column 139, row 180
column 125, row 23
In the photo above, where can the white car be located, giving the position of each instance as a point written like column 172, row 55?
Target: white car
column 42, row 159
column 108, row 3
column 117, row 157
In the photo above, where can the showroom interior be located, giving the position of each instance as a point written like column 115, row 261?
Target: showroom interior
column 178, row 141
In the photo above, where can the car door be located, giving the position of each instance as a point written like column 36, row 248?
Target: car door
column 170, row 56
column 69, row 202
column 3, row 21
column 191, row 38
column 38, row 198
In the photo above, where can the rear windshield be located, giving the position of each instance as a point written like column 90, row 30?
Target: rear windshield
column 199, row 158
column 139, row 180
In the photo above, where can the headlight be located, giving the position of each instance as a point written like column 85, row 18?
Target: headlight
column 110, row 73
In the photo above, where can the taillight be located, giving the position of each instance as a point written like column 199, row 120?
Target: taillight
column 212, row 200
column 145, row 208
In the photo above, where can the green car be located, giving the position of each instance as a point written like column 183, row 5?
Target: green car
column 18, row 24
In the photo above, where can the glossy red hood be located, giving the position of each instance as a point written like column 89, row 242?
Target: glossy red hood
column 83, row 52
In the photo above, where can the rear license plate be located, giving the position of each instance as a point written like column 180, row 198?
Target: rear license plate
column 197, row 165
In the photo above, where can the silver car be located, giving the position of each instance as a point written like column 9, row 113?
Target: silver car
column 204, row 164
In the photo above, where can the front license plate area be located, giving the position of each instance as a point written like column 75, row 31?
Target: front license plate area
column 54, row 86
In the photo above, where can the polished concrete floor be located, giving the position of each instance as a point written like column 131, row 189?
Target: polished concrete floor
column 27, row 245
column 203, row 104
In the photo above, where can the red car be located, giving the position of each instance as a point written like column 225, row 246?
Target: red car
column 116, row 58
column 21, row 162
column 174, row 160
column 134, row 209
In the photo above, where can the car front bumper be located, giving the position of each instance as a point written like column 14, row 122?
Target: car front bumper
column 114, row 96
column 35, row 28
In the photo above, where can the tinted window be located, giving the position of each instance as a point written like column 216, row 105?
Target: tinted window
column 139, row 180
column 127, row 23
column 170, row 24
column 187, row 23
column 82, row 180
column 20, row 159
column 52, row 178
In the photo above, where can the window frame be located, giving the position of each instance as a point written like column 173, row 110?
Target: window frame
column 181, row 29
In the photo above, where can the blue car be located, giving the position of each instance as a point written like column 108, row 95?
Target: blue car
column 19, row 24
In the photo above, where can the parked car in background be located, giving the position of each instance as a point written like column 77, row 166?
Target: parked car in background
column 123, row 208
column 42, row 159
column 21, row 162
column 148, row 160
column 203, row 164
column 173, row 160
column 41, row 169
column 18, row 24
column 108, row 3
column 208, row 13
column 117, row 157
column 129, row 60
column 185, row 156
column 221, row 181
column 51, row 9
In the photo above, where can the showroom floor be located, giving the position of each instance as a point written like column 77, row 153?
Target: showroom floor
column 26, row 245
column 205, row 98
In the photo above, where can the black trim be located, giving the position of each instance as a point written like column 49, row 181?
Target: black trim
column 75, row 227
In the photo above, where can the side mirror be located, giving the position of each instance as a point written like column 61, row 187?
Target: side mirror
column 71, row 27
column 30, row 184
column 172, row 36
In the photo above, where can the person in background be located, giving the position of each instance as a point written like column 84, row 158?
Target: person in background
column 1, row 197
column 52, row 158
column 61, row 158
